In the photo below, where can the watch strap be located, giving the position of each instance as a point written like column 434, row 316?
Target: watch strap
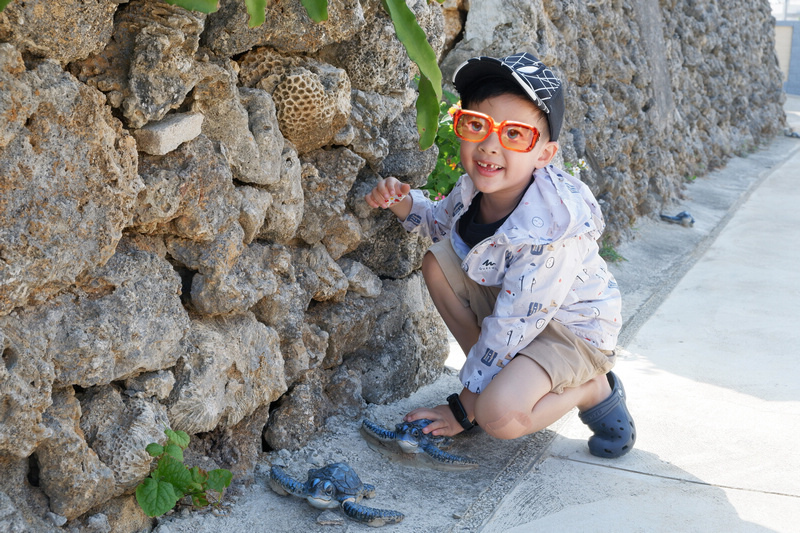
column 459, row 412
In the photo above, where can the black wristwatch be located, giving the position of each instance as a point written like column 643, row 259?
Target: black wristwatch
column 459, row 412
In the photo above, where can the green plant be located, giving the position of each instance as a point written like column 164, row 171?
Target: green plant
column 448, row 164
column 3, row 4
column 574, row 168
column 609, row 253
column 171, row 480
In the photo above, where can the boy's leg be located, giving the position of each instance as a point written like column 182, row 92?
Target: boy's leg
column 518, row 401
column 460, row 320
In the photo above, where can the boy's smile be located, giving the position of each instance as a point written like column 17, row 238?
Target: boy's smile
column 502, row 175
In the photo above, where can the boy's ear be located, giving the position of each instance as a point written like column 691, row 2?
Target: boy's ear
column 548, row 153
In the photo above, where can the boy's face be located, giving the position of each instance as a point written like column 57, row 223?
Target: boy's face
column 495, row 169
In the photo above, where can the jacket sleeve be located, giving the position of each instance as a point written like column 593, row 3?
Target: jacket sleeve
column 536, row 281
column 433, row 219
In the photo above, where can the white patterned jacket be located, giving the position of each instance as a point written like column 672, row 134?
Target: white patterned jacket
column 545, row 258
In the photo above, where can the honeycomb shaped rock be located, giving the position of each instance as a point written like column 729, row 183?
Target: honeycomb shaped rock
column 304, row 109
column 312, row 99
column 262, row 63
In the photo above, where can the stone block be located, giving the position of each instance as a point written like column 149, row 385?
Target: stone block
column 164, row 136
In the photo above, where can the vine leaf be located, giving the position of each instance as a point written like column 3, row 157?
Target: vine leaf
column 316, row 9
column 177, row 437
column 219, row 479
column 256, row 9
column 203, row 6
column 427, row 112
column 3, row 4
column 156, row 497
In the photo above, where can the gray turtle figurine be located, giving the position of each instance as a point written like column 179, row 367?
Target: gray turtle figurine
column 409, row 440
column 334, row 485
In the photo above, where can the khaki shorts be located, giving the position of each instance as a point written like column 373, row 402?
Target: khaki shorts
column 568, row 360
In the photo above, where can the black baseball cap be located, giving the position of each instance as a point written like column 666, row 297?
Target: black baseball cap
column 539, row 82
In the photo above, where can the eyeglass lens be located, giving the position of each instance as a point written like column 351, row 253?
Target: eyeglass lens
column 475, row 128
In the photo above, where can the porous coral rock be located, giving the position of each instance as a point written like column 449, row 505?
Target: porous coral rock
column 375, row 60
column 407, row 346
column 318, row 274
column 309, row 111
column 344, row 236
column 188, row 192
column 327, row 178
column 70, row 473
column 148, row 67
column 284, row 216
column 119, row 429
column 124, row 318
column 69, row 181
column 288, row 27
column 215, row 258
column 370, row 112
column 36, row 27
column 26, row 381
column 312, row 98
column 361, row 279
column 300, row 414
column 237, row 290
column 263, row 124
column 232, row 366
column 255, row 204
column 228, row 121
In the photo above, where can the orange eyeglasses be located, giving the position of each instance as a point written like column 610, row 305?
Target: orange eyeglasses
column 475, row 127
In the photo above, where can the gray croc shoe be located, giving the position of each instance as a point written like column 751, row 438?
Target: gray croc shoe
column 612, row 424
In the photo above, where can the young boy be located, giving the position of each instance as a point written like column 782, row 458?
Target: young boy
column 515, row 268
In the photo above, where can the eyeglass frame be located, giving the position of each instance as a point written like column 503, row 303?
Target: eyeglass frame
column 494, row 127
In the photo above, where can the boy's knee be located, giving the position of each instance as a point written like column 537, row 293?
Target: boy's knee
column 502, row 423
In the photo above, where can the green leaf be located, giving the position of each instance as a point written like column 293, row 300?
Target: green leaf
column 316, row 9
column 219, row 478
column 174, row 451
column 195, row 488
column 154, row 449
column 3, row 4
column 173, row 471
column 416, row 43
column 177, row 437
column 199, row 500
column 198, row 474
column 427, row 113
column 256, row 9
column 156, row 497
column 204, row 6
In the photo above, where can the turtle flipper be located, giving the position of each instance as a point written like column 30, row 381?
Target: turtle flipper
column 372, row 430
column 368, row 491
column 283, row 484
column 370, row 515
column 448, row 461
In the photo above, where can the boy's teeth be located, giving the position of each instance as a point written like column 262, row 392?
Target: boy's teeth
column 489, row 166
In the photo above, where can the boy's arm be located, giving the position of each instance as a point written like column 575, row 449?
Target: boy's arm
column 391, row 194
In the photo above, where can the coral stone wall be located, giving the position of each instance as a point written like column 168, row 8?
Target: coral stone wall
column 183, row 240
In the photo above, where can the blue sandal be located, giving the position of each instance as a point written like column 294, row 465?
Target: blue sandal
column 612, row 424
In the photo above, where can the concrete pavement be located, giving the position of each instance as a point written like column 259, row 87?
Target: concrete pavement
column 712, row 373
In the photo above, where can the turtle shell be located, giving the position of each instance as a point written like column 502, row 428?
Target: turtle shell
column 337, row 476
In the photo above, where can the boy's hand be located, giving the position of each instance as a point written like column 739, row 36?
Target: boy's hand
column 387, row 193
column 443, row 423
